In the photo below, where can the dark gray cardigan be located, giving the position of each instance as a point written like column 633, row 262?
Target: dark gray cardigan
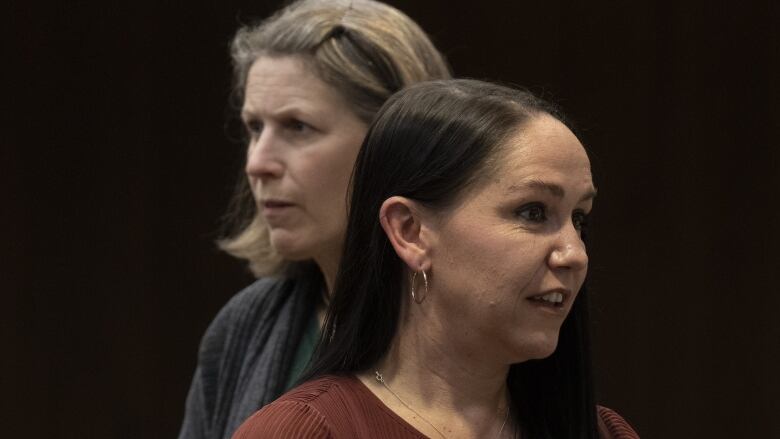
column 246, row 354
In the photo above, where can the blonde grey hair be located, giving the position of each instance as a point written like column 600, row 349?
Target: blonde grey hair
column 364, row 49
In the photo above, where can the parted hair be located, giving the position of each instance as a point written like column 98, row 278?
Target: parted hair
column 433, row 143
column 364, row 49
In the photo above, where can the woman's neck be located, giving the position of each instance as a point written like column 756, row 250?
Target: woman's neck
column 422, row 361
column 462, row 393
column 328, row 264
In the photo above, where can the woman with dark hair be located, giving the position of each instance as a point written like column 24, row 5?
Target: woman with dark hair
column 308, row 80
column 459, row 308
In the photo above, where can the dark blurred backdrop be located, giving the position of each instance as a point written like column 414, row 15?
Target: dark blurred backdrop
column 119, row 164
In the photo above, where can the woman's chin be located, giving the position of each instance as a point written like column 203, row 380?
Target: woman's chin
column 288, row 247
column 538, row 346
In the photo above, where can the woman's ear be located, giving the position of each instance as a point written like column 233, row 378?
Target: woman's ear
column 401, row 221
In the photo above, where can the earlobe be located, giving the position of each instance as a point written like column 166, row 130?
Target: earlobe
column 400, row 219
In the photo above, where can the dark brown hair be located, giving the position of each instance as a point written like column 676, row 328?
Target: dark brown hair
column 431, row 143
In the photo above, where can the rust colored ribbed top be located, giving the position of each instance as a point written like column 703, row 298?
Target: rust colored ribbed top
column 334, row 407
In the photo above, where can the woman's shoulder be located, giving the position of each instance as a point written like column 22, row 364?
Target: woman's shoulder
column 254, row 295
column 241, row 324
column 613, row 426
column 327, row 407
column 297, row 413
column 284, row 418
column 246, row 308
column 243, row 357
column 324, row 392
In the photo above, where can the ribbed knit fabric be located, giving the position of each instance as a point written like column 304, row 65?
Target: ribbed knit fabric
column 612, row 425
column 343, row 408
column 290, row 419
column 329, row 407
column 246, row 355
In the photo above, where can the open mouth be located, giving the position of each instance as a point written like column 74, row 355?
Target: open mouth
column 554, row 299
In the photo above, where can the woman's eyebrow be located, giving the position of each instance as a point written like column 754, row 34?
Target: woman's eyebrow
column 554, row 189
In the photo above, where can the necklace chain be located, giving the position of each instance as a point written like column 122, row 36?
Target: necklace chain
column 381, row 379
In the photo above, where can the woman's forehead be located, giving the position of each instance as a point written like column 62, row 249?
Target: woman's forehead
column 543, row 154
column 279, row 84
column 545, row 142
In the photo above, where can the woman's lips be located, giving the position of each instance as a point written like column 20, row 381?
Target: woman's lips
column 553, row 300
column 276, row 204
column 274, row 210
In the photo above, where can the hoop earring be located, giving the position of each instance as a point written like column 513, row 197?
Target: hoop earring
column 425, row 282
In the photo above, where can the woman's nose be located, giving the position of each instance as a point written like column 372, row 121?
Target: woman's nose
column 263, row 159
column 569, row 251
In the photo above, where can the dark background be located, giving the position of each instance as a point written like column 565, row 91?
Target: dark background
column 119, row 165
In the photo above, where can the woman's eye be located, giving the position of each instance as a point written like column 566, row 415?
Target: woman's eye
column 297, row 126
column 535, row 213
column 580, row 220
column 254, row 127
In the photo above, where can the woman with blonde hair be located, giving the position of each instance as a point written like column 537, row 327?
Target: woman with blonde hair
column 309, row 79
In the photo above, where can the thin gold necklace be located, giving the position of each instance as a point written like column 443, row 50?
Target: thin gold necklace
column 381, row 379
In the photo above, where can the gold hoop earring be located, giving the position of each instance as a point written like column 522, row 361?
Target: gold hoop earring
column 425, row 283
